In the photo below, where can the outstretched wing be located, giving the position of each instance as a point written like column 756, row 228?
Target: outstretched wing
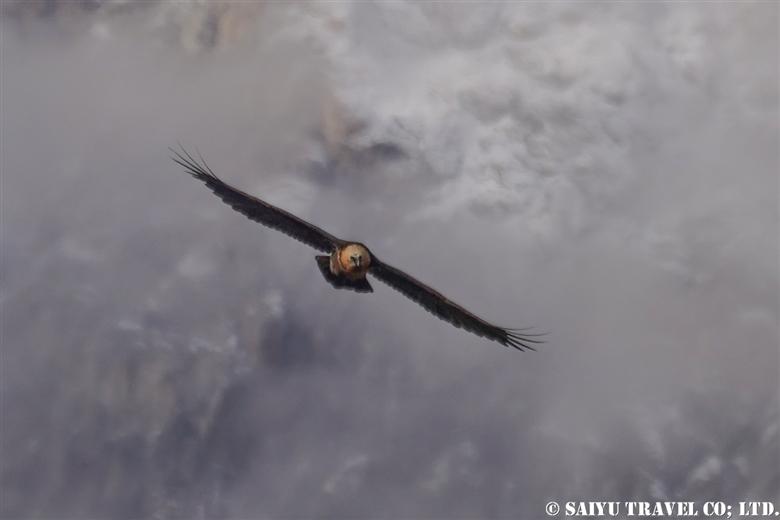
column 257, row 210
column 435, row 303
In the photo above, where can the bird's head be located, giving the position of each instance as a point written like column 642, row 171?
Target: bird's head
column 355, row 258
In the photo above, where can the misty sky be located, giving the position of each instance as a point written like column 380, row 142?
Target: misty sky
column 607, row 174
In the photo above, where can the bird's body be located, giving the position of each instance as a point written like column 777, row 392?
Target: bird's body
column 346, row 267
column 347, row 263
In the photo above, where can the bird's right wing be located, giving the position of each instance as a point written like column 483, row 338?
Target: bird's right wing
column 257, row 210
column 447, row 310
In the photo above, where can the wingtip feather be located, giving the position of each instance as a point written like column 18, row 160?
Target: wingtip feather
column 521, row 341
column 200, row 171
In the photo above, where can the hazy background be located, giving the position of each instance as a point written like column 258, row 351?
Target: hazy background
column 607, row 173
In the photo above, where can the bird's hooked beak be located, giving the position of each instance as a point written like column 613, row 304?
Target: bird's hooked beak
column 356, row 261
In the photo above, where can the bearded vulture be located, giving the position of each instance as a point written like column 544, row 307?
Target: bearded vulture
column 347, row 263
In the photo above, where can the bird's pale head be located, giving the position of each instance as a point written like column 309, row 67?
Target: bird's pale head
column 355, row 259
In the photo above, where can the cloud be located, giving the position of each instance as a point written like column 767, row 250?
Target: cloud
column 606, row 174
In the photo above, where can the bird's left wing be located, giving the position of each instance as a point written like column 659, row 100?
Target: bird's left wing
column 447, row 310
column 257, row 210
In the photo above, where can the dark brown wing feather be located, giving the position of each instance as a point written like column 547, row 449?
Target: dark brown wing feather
column 435, row 303
column 257, row 210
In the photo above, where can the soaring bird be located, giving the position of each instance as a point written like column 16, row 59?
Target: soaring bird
column 347, row 263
